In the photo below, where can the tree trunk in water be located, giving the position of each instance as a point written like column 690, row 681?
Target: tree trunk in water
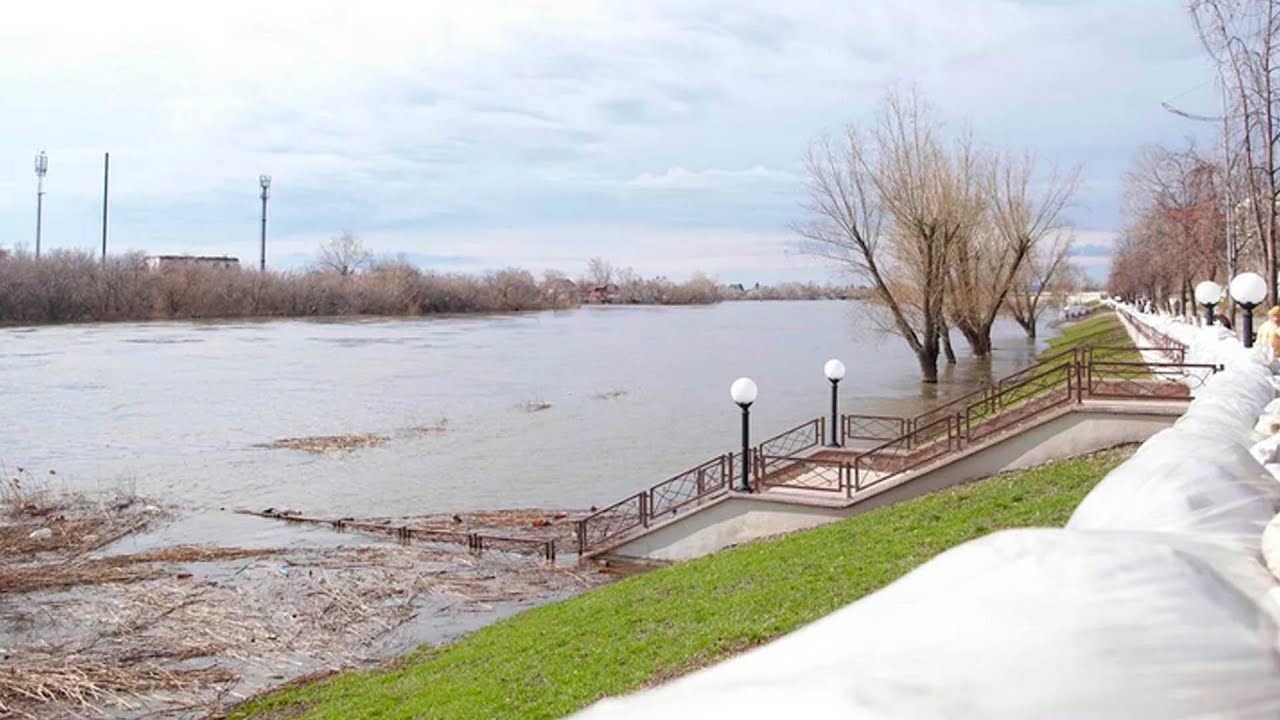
column 928, row 357
column 979, row 342
column 946, row 346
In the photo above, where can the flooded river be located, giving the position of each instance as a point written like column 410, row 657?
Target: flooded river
column 554, row 409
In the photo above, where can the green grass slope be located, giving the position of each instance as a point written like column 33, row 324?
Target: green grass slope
column 1101, row 331
column 558, row 658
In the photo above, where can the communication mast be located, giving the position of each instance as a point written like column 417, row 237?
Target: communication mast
column 42, row 167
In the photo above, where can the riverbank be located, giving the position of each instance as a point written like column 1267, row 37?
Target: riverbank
column 558, row 658
column 68, row 286
column 106, row 613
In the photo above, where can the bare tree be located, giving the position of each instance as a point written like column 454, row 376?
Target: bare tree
column 1019, row 215
column 1243, row 38
column 1044, row 273
column 344, row 255
column 900, row 172
column 1175, row 235
column 600, row 272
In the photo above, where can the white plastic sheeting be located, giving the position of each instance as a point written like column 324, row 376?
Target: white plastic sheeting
column 1154, row 602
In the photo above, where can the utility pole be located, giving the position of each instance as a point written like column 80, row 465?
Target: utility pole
column 42, row 167
column 265, row 182
column 106, row 179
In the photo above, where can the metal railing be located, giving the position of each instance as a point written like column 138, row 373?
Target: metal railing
column 1175, row 350
column 658, row 502
column 871, row 427
column 804, row 474
column 798, row 439
column 889, row 460
column 784, row 460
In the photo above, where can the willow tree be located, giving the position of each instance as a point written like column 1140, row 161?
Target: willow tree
column 888, row 205
column 1015, row 215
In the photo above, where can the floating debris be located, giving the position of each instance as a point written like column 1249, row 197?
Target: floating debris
column 331, row 445
column 609, row 394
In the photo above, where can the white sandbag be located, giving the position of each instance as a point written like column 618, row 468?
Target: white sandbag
column 1020, row 624
column 1179, row 483
column 1271, row 546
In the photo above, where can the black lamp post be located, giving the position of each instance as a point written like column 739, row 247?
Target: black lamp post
column 834, row 370
column 743, row 391
column 1248, row 289
column 1208, row 294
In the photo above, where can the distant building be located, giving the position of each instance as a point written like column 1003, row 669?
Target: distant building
column 220, row 262
column 602, row 293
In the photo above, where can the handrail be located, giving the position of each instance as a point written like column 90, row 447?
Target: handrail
column 815, row 428
column 776, row 461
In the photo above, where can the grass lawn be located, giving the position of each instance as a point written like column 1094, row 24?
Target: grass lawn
column 558, row 658
column 1101, row 330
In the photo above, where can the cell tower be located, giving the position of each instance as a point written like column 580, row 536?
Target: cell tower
column 42, row 167
column 265, row 182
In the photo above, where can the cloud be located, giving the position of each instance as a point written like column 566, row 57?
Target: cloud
column 729, row 254
column 678, row 178
column 675, row 125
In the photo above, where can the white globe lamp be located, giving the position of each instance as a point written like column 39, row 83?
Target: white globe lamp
column 1208, row 294
column 1248, row 290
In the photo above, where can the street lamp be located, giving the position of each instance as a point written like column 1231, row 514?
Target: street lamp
column 1248, row 289
column 834, row 370
column 265, row 182
column 42, row 167
column 1208, row 294
column 743, row 391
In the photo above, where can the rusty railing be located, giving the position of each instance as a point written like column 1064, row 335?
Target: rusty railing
column 1138, row 380
column 659, row 502
column 872, row 427
column 798, row 439
column 804, row 474
column 890, row 460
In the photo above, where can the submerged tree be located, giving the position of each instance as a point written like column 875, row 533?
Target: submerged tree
column 889, row 205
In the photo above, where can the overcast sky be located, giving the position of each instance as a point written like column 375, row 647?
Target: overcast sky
column 474, row 135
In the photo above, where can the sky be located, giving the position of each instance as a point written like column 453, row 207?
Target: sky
column 477, row 135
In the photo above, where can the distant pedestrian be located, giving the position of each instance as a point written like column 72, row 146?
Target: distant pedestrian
column 1269, row 332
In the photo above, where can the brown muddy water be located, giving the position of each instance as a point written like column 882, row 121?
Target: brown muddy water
column 553, row 409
